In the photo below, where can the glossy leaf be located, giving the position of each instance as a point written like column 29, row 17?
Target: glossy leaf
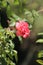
column 40, row 61
column 40, row 54
column 39, row 41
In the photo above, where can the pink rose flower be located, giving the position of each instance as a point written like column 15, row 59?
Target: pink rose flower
column 22, row 29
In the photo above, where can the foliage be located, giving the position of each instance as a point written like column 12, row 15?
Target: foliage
column 40, row 40
column 7, row 46
column 16, row 10
column 40, row 53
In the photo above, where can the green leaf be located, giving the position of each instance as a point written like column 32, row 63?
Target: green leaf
column 12, row 24
column 7, row 51
column 40, row 54
column 40, row 61
column 20, row 38
column 40, row 33
column 35, row 13
column 15, row 54
column 29, row 17
column 4, row 3
column 0, row 27
column 39, row 41
column 11, row 44
column 16, row 17
column 16, row 2
column 9, row 11
column 10, row 33
column 9, row 62
column 11, row 2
